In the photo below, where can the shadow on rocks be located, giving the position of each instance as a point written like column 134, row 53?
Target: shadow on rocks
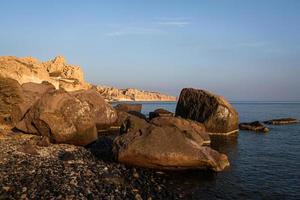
column 102, row 148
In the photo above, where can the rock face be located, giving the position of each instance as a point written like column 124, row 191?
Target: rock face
column 56, row 72
column 103, row 113
column 282, row 121
column 130, row 94
column 11, row 94
column 61, row 117
column 187, row 126
column 217, row 115
column 167, row 143
column 253, row 126
column 16, row 99
column 160, row 113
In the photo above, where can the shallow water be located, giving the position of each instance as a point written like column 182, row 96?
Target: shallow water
column 263, row 166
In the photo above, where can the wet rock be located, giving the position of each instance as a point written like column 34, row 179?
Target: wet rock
column 253, row 126
column 217, row 114
column 160, row 113
column 282, row 121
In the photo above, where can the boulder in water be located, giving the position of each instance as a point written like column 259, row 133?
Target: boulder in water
column 253, row 126
column 218, row 115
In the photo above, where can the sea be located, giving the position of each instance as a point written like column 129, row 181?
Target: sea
column 262, row 165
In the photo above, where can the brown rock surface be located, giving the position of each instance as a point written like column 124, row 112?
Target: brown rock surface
column 61, row 117
column 217, row 114
column 103, row 113
column 253, row 126
column 11, row 94
column 193, row 128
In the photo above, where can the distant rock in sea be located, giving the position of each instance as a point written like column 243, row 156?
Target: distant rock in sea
column 282, row 121
column 69, row 77
column 254, row 126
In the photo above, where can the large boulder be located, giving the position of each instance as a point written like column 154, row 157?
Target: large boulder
column 103, row 114
column 193, row 128
column 61, row 117
column 166, row 147
column 217, row 114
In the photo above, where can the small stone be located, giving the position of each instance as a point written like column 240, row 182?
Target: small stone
column 23, row 196
column 138, row 197
column 6, row 189
column 24, row 189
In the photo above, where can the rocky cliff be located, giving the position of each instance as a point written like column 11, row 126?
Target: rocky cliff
column 130, row 94
column 68, row 77
column 55, row 71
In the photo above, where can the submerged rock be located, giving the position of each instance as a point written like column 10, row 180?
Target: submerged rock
column 282, row 121
column 218, row 115
column 253, row 126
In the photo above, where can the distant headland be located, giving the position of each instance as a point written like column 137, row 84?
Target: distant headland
column 69, row 77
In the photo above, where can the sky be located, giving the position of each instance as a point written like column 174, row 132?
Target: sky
column 242, row 50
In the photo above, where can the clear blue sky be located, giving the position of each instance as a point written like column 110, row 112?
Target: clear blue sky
column 242, row 49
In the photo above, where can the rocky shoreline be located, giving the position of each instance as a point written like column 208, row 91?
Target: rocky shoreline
column 59, row 144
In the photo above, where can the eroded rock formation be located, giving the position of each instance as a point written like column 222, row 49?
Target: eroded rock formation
column 56, row 72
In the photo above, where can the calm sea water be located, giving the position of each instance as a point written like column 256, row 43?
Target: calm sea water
column 263, row 166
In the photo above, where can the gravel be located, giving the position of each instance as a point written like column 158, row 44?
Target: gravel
column 30, row 168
